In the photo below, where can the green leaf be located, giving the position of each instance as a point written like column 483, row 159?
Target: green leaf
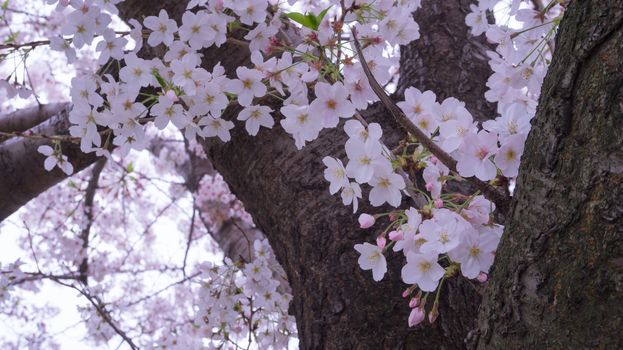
column 130, row 167
column 159, row 78
column 322, row 14
column 302, row 19
column 308, row 19
column 235, row 24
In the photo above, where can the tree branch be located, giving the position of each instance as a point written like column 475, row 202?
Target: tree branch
column 88, row 211
column 101, row 310
column 24, row 119
column 22, row 175
column 500, row 198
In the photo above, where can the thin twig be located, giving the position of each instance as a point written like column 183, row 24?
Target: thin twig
column 88, row 211
column 190, row 238
column 132, row 303
column 100, row 307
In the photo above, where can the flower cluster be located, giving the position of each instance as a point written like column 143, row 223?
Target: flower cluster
column 457, row 233
column 238, row 298
column 193, row 99
column 8, row 274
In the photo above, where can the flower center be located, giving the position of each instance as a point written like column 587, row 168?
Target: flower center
column 474, row 251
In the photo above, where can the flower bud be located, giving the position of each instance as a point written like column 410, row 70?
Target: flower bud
column 397, row 235
column 414, row 302
column 482, row 277
column 406, row 292
column 416, row 316
column 366, row 220
column 429, row 186
column 427, row 212
column 434, row 312
column 381, row 241
column 438, row 203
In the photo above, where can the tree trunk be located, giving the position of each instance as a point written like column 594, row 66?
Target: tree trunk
column 557, row 282
column 337, row 305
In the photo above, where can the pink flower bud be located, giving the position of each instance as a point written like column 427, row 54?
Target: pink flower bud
column 438, row 203
column 366, row 220
column 416, row 316
column 429, row 186
column 171, row 96
column 392, row 217
column 396, row 235
column 414, row 302
column 434, row 159
column 482, row 277
column 406, row 292
column 381, row 241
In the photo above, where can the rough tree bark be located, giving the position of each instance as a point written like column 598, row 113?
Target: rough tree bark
column 557, row 282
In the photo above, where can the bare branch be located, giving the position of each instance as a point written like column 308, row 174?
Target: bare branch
column 37, row 276
column 101, row 310
column 88, row 211
column 190, row 238
column 140, row 300
column 24, row 119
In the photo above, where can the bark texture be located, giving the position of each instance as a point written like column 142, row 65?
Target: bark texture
column 338, row 306
column 27, row 118
column 22, row 176
column 447, row 52
column 557, row 282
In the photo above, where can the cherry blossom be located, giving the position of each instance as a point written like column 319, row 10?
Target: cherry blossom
column 256, row 116
column 55, row 158
column 423, row 270
column 366, row 220
column 474, row 160
column 372, row 258
column 301, row 124
column 162, row 28
column 453, row 228
column 475, row 253
column 332, row 103
column 386, row 187
column 335, row 173
column 248, row 85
